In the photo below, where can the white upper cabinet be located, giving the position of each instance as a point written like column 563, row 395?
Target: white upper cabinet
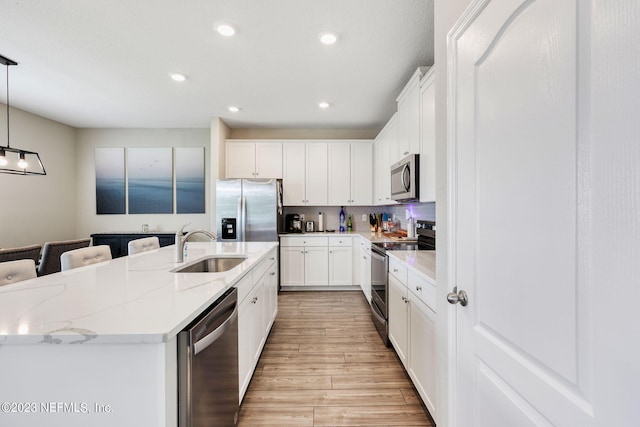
column 361, row 173
column 350, row 167
column 304, row 173
column 382, row 162
column 253, row 159
column 409, row 117
column 339, row 174
column 428, row 137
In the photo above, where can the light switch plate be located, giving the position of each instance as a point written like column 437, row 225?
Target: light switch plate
column 364, row 217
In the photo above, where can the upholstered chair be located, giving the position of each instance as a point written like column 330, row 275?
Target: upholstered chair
column 143, row 245
column 17, row 271
column 24, row 252
column 84, row 256
column 51, row 251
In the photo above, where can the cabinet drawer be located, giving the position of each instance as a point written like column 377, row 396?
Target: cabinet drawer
column 244, row 287
column 423, row 289
column 304, row 241
column 340, row 241
column 398, row 269
column 264, row 265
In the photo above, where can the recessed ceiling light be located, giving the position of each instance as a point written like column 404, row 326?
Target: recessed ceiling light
column 324, row 104
column 225, row 29
column 178, row 77
column 233, row 109
column 328, row 37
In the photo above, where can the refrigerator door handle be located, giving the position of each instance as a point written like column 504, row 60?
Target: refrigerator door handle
column 243, row 225
column 240, row 220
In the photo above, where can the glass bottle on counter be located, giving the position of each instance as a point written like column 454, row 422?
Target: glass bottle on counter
column 349, row 224
column 342, row 228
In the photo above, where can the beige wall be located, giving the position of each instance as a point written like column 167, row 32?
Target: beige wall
column 35, row 209
column 88, row 139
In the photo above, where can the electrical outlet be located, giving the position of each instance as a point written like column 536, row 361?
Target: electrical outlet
column 302, row 217
column 364, row 217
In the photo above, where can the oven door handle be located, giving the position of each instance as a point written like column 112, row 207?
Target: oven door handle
column 376, row 312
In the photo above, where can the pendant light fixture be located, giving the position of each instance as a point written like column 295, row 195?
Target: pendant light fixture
column 13, row 160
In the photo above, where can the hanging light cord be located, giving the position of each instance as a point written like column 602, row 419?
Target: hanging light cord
column 8, row 106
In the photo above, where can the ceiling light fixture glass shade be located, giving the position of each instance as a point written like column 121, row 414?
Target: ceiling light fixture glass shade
column 225, row 29
column 324, row 104
column 328, row 37
column 234, row 109
column 14, row 160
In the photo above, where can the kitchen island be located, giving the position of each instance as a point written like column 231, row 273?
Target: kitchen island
column 97, row 345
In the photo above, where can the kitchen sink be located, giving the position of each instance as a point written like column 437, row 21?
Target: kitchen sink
column 215, row 264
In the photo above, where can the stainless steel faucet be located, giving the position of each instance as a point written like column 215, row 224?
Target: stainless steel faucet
column 182, row 240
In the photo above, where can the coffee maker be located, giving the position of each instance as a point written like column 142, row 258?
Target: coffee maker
column 293, row 223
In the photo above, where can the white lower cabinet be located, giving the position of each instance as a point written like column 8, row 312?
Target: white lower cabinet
column 362, row 253
column 412, row 328
column 258, row 306
column 398, row 319
column 316, row 261
column 304, row 261
column 340, row 261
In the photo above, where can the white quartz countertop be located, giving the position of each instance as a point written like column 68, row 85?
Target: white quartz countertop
column 423, row 262
column 134, row 299
column 372, row 237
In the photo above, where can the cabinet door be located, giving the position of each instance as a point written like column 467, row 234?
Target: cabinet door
column 268, row 160
column 382, row 168
column 316, row 266
column 422, row 352
column 398, row 309
column 361, row 173
column 428, row 138
column 292, row 266
column 316, row 174
column 365, row 273
column 248, row 339
column 293, row 172
column 339, row 173
column 409, row 118
column 340, row 266
column 271, row 298
column 240, row 158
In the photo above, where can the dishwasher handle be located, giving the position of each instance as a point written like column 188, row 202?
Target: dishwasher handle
column 209, row 339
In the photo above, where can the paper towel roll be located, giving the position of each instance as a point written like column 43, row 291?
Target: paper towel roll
column 320, row 221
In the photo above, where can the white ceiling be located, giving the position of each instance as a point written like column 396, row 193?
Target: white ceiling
column 106, row 63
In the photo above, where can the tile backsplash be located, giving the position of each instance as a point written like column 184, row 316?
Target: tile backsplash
column 424, row 211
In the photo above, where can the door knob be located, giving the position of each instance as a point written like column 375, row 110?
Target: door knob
column 458, row 297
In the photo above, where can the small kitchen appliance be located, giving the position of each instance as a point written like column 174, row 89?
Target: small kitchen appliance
column 310, row 227
column 293, row 223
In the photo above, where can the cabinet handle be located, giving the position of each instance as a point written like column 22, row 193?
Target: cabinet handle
column 273, row 273
column 406, row 152
column 418, row 288
column 255, row 299
column 330, row 252
column 364, row 257
column 395, row 270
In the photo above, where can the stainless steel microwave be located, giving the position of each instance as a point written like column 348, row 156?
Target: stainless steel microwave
column 404, row 179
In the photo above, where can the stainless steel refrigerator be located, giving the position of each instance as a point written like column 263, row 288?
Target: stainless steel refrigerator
column 248, row 210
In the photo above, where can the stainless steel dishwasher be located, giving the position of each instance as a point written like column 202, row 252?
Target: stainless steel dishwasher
column 208, row 366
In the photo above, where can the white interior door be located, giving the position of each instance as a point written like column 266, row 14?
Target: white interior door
column 518, row 237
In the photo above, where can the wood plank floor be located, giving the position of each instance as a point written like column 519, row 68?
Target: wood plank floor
column 325, row 365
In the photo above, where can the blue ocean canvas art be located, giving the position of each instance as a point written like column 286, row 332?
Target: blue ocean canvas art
column 150, row 180
column 189, row 164
column 110, row 182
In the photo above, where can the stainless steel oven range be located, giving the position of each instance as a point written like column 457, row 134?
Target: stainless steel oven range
column 426, row 231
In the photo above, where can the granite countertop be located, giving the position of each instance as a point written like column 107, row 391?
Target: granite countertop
column 422, row 262
column 134, row 299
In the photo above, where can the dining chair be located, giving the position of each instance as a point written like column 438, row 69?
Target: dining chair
column 24, row 252
column 84, row 256
column 51, row 251
column 17, row 271
column 142, row 245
